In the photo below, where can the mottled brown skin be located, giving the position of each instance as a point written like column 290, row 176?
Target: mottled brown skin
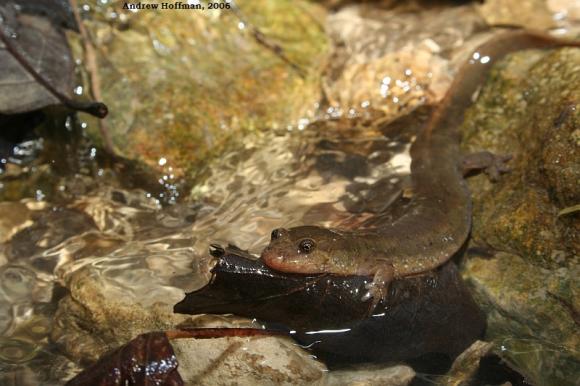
column 439, row 219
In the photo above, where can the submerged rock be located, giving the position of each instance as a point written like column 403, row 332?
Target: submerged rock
column 181, row 84
column 387, row 61
column 14, row 216
column 529, row 108
column 398, row 375
column 524, row 13
column 250, row 361
column 531, row 316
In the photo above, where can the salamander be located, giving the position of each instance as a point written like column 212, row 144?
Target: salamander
column 438, row 221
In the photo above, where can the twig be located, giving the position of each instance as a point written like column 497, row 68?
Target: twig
column 92, row 66
column 221, row 332
column 262, row 40
column 97, row 109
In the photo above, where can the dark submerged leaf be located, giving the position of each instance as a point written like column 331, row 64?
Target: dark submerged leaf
column 37, row 65
column 146, row 360
column 58, row 11
column 434, row 313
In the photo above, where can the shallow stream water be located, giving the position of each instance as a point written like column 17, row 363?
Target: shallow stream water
column 78, row 218
column 330, row 173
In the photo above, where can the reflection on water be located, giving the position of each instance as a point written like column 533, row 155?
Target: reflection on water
column 133, row 251
column 123, row 257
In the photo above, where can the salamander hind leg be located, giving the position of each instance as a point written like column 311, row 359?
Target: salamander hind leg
column 378, row 289
column 491, row 164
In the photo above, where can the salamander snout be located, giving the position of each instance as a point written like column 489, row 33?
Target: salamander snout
column 278, row 233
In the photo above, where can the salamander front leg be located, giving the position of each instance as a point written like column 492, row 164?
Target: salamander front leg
column 491, row 164
column 378, row 289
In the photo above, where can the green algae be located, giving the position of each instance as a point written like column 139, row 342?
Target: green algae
column 182, row 85
column 529, row 108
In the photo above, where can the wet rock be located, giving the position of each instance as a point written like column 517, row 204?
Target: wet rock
column 531, row 315
column 180, row 85
column 398, row 375
column 250, row 361
column 26, row 338
column 50, row 229
column 17, row 283
column 47, row 368
column 18, row 182
column 566, row 13
column 16, row 351
column 389, row 61
column 14, row 216
column 50, row 157
column 5, row 316
column 96, row 317
column 532, row 14
column 529, row 108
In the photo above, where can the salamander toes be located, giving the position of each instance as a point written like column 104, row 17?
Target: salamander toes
column 378, row 289
column 493, row 165
column 376, row 292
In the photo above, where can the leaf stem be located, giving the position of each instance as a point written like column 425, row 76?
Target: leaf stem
column 221, row 332
column 97, row 109
column 92, row 66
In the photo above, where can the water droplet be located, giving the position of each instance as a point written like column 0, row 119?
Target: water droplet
column 39, row 195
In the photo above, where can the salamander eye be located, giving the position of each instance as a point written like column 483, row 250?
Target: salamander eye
column 276, row 234
column 306, row 246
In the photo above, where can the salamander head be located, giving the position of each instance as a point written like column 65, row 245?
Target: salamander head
column 304, row 249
